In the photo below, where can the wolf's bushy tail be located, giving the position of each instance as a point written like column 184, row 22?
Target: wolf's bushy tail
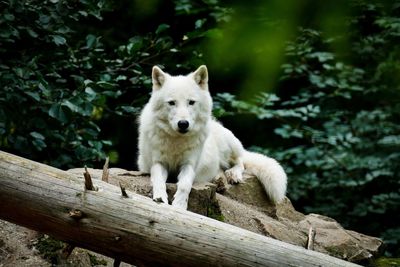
column 269, row 172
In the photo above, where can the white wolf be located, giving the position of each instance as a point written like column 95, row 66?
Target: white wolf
column 177, row 134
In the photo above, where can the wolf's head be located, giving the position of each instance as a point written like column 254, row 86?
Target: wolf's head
column 182, row 104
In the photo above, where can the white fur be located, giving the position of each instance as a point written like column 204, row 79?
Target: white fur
column 203, row 150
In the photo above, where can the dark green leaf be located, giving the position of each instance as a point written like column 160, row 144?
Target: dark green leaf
column 91, row 41
column 162, row 28
column 34, row 95
column 57, row 112
column 37, row 135
column 59, row 40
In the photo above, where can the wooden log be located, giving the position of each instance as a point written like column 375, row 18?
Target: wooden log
column 135, row 230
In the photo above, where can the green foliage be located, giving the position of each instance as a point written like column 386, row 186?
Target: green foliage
column 47, row 107
column 49, row 248
column 60, row 82
column 385, row 262
column 94, row 261
column 337, row 121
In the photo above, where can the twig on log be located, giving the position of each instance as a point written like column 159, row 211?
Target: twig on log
column 117, row 262
column 88, row 180
column 106, row 171
column 311, row 238
column 123, row 191
column 75, row 214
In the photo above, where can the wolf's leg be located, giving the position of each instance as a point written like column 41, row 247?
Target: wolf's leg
column 159, row 177
column 185, row 182
column 234, row 175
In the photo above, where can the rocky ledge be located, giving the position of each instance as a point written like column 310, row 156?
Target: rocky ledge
column 247, row 206
column 244, row 205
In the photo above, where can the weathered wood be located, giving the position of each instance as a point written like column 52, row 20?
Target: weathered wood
column 88, row 180
column 106, row 171
column 135, row 230
column 311, row 238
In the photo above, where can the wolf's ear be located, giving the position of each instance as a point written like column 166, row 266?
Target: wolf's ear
column 201, row 77
column 158, row 77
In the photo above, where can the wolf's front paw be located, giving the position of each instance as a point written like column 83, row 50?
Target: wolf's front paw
column 160, row 197
column 180, row 201
column 234, row 175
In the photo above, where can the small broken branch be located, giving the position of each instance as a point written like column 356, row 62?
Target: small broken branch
column 106, row 171
column 123, row 191
column 88, row 180
column 117, row 263
column 311, row 238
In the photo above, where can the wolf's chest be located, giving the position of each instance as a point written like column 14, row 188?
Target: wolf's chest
column 174, row 153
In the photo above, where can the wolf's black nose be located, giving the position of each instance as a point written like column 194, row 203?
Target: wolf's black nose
column 183, row 125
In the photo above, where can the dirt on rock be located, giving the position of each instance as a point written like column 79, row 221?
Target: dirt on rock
column 16, row 246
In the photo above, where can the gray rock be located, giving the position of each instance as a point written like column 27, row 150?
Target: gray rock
column 246, row 205
column 291, row 226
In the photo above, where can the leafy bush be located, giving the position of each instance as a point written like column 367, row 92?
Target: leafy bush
column 48, row 103
column 60, row 82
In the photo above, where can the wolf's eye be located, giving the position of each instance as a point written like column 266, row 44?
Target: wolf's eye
column 191, row 102
column 171, row 103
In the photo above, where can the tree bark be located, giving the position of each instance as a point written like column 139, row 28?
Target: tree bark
column 133, row 229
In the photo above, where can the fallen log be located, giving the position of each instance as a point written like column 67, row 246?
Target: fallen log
column 133, row 229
